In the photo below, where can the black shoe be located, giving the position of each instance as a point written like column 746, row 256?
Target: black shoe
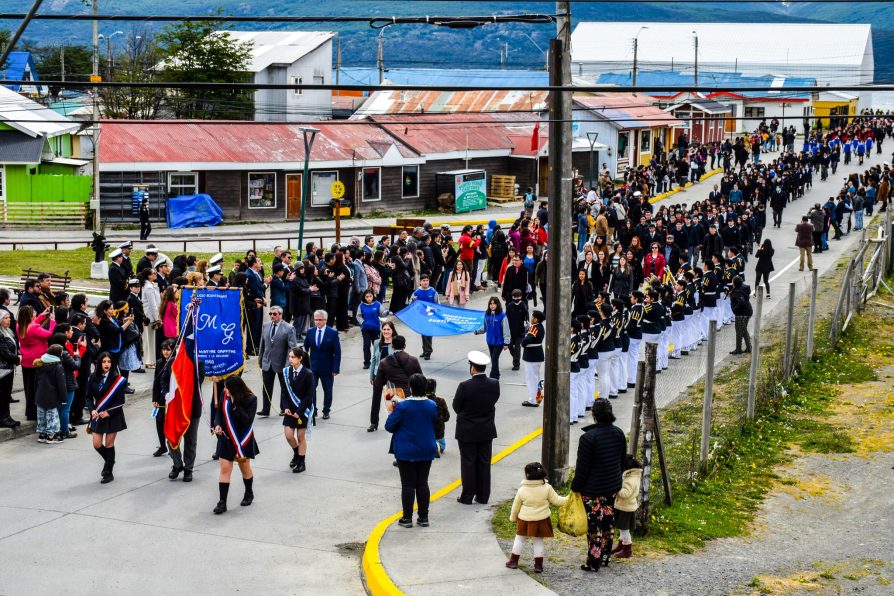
column 139, row 370
column 631, row 385
column 736, row 352
column 129, row 390
column 405, row 522
column 294, row 462
column 107, row 478
column 394, row 463
column 14, row 401
column 175, row 471
column 160, row 451
column 247, row 499
column 187, row 475
column 366, row 366
column 528, row 404
column 264, row 414
column 515, row 368
column 7, row 422
column 481, row 502
column 460, row 500
column 372, row 428
column 221, row 507
column 612, row 396
column 299, row 468
column 325, row 416
column 423, row 522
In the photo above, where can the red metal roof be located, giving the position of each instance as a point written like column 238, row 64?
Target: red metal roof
column 452, row 102
column 173, row 141
column 628, row 110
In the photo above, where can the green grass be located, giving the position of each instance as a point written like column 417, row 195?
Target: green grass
column 77, row 261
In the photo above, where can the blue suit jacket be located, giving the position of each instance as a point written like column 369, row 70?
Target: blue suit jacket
column 325, row 359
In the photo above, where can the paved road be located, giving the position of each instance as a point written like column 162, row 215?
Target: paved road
column 303, row 532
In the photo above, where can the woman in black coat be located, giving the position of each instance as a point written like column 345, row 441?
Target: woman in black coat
column 9, row 359
column 764, row 265
column 598, row 474
column 235, row 439
column 741, row 305
column 105, row 401
column 296, row 403
column 581, row 295
column 299, row 300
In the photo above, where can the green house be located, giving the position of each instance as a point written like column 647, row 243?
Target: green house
column 39, row 155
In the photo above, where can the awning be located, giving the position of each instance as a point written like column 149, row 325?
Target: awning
column 68, row 161
column 17, row 148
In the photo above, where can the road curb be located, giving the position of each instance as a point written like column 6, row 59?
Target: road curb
column 375, row 576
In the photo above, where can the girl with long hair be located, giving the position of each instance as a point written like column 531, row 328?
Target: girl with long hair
column 296, row 403
column 459, row 284
column 235, row 439
column 105, row 402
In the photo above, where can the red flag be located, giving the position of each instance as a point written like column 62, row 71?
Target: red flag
column 178, row 411
column 535, row 138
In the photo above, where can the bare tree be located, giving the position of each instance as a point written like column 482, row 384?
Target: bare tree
column 138, row 62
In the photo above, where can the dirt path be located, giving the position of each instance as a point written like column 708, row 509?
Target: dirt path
column 827, row 527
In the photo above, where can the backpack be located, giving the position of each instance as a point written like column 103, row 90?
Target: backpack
column 612, row 216
column 529, row 200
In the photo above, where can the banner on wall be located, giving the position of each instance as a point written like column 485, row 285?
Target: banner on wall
column 218, row 329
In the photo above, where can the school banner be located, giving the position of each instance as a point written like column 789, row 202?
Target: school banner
column 218, row 329
column 428, row 318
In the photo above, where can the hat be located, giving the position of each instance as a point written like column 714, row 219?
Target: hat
column 638, row 194
column 445, row 227
column 116, row 253
column 218, row 258
column 478, row 358
column 126, row 244
column 151, row 251
column 213, row 270
column 133, row 282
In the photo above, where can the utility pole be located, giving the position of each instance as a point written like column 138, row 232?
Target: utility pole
column 635, row 51
column 337, row 61
column 380, row 57
column 558, row 300
column 696, row 60
column 95, row 78
column 62, row 61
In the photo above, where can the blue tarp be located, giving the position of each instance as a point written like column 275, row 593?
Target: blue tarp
column 193, row 211
column 428, row 318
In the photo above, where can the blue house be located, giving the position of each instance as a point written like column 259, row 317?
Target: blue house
column 20, row 67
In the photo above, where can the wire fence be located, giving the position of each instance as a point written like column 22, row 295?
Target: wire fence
column 813, row 315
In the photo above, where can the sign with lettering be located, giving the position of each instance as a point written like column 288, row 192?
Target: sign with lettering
column 428, row 318
column 218, row 334
column 470, row 190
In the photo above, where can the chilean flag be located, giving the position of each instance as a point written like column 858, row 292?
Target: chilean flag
column 535, row 138
column 184, row 385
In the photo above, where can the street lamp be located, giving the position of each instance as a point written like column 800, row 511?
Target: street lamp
column 380, row 53
column 592, row 136
column 635, row 52
column 310, row 134
column 542, row 51
column 108, row 39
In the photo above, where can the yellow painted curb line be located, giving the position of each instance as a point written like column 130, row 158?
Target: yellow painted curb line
column 665, row 195
column 377, row 580
column 476, row 222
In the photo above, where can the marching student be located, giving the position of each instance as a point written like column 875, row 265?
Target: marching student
column 236, row 439
column 575, row 347
column 425, row 293
column 296, row 404
column 533, row 357
column 619, row 356
column 105, row 402
column 587, row 340
column 635, row 333
column 606, row 347
column 161, row 384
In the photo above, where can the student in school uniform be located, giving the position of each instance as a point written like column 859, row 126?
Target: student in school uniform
column 105, row 402
column 296, row 403
column 236, row 440
column 533, row 357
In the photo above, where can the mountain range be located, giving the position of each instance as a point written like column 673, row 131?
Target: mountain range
column 424, row 45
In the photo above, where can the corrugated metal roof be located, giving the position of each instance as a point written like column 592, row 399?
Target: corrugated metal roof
column 19, row 148
column 279, row 47
column 474, row 77
column 452, row 102
column 725, row 80
column 30, row 117
column 627, row 110
column 706, row 105
column 785, row 44
column 233, row 142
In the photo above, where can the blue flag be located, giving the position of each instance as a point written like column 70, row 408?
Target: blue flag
column 218, row 330
column 428, row 318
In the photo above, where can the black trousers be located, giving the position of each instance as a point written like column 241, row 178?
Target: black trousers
column 160, row 427
column 474, row 459
column 268, row 376
column 376, row 406
column 426, row 345
column 495, row 351
column 515, row 350
column 145, row 229
column 6, row 394
column 414, row 486
column 29, row 380
column 742, row 333
column 185, row 456
column 255, row 323
column 766, row 277
column 777, row 217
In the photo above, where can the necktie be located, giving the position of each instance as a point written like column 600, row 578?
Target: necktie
column 273, row 332
column 319, row 337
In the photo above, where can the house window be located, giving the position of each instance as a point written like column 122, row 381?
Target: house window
column 410, row 184
column 261, row 190
column 321, row 188
column 370, row 183
column 297, row 81
column 645, row 144
column 623, row 144
column 182, row 184
column 754, row 112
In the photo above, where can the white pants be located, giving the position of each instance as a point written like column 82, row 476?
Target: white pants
column 532, row 379
column 712, row 312
column 663, row 346
column 479, row 272
column 618, row 368
column 604, row 368
column 583, row 385
column 727, row 307
column 519, row 544
column 675, row 338
column 574, row 396
column 591, row 383
column 632, row 359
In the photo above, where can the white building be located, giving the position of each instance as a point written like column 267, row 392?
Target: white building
column 833, row 54
column 290, row 57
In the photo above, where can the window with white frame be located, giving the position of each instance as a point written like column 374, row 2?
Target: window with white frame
column 410, row 182
column 752, row 112
column 297, row 81
column 370, row 183
column 182, row 184
column 261, row 190
column 623, row 144
column 645, row 144
column 321, row 187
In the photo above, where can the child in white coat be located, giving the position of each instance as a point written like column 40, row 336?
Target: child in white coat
column 626, row 504
column 531, row 514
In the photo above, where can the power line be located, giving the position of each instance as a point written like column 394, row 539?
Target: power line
column 375, row 21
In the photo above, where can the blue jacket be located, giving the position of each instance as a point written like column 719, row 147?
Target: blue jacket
column 413, row 423
column 325, row 359
column 370, row 315
column 279, row 289
column 496, row 329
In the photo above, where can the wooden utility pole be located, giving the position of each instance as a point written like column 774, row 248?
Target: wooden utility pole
column 558, row 299
column 648, row 423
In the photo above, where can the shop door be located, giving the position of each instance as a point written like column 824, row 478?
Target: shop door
column 293, row 196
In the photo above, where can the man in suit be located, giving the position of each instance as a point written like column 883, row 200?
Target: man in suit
column 475, row 406
column 277, row 338
column 323, row 345
column 257, row 291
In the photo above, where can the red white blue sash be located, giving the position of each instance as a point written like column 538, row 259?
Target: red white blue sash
column 116, row 385
column 238, row 442
column 309, row 411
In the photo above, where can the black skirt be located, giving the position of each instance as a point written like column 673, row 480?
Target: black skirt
column 226, row 450
column 292, row 422
column 115, row 423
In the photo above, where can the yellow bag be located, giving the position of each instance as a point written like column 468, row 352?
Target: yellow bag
column 573, row 516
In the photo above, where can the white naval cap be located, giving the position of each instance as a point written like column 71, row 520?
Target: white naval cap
column 216, row 259
column 126, row 244
column 478, row 358
column 213, row 270
column 116, row 253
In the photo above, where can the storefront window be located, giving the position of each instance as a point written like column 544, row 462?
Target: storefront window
column 321, row 188
column 623, row 143
column 410, row 185
column 371, row 184
column 645, row 141
column 261, row 190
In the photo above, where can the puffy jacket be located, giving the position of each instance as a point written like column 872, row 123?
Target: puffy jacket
column 532, row 501
column 600, row 455
column 496, row 329
column 50, row 387
column 628, row 497
column 413, row 423
column 35, row 342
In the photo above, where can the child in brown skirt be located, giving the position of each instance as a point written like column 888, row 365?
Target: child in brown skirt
column 531, row 514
